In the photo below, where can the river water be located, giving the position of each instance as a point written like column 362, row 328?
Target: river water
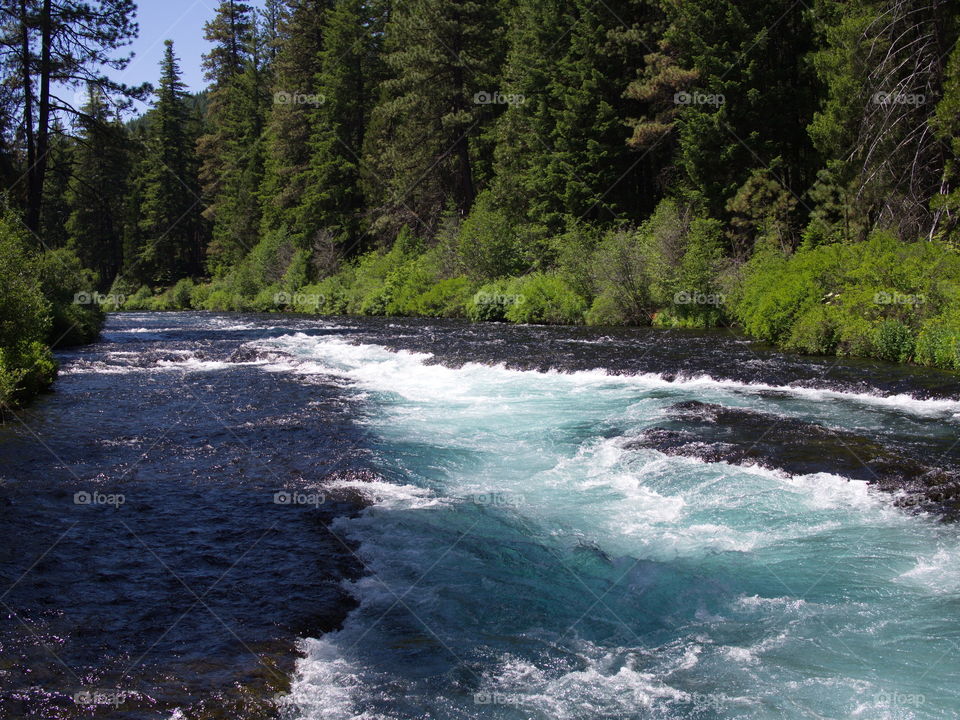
column 235, row 516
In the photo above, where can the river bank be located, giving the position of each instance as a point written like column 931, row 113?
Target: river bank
column 879, row 298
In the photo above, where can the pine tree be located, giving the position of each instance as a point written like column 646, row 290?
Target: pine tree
column 331, row 207
column 232, row 162
column 882, row 63
column 289, row 124
column 50, row 45
column 420, row 150
column 561, row 154
column 946, row 203
column 751, row 99
column 98, row 188
column 55, row 208
column 170, row 229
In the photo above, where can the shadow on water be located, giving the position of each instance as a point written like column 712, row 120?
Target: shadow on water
column 145, row 556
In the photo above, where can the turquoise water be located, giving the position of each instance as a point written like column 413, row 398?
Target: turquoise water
column 524, row 562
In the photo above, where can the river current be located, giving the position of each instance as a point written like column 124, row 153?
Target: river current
column 237, row 516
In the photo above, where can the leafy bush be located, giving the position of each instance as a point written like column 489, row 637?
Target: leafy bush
column 816, row 332
column 879, row 298
column 26, row 364
column 140, row 300
column 544, row 299
column 622, row 280
column 447, row 298
column 491, row 302
column 489, row 244
column 71, row 289
column 181, row 295
column 938, row 343
column 893, row 341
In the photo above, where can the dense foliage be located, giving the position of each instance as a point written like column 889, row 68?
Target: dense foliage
column 43, row 303
column 791, row 168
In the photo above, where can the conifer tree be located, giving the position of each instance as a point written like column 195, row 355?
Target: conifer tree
column 169, row 227
column 561, row 154
column 97, row 190
column 331, row 207
column 289, row 119
column 420, row 150
column 230, row 150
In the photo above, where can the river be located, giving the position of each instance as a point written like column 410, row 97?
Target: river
column 254, row 516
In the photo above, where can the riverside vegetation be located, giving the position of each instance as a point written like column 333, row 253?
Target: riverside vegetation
column 787, row 168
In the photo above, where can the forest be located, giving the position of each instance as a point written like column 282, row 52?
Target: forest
column 788, row 169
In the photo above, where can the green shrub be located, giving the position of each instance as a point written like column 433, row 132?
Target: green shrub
column 575, row 252
column 605, row 310
column 407, row 283
column 622, row 279
column 491, row 302
column 199, row 294
column 489, row 244
column 75, row 303
column 26, row 364
column 816, row 332
column 181, row 295
column 893, row 341
column 697, row 301
column 447, row 298
column 670, row 318
column 878, row 298
column 544, row 299
column 139, row 300
column 938, row 343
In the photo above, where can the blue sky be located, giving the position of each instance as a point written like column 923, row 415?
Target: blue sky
column 179, row 20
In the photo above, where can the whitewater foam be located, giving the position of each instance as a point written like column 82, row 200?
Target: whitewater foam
column 410, row 374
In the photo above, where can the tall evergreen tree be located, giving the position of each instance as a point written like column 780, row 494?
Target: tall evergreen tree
column 290, row 121
column 883, row 64
column 170, row 233
column 751, row 98
column 231, row 155
column 561, row 155
column 56, row 206
column 331, row 207
column 419, row 156
column 51, row 45
column 98, row 187
column 946, row 203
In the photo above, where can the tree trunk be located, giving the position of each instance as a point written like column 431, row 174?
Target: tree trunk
column 33, row 210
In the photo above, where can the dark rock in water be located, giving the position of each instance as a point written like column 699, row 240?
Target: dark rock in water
column 361, row 497
column 740, row 436
column 248, row 353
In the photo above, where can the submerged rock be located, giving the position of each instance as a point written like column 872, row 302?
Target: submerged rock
column 740, row 436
